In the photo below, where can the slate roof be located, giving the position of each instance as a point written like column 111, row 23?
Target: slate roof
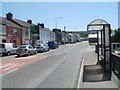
column 47, row 29
column 22, row 23
column 6, row 22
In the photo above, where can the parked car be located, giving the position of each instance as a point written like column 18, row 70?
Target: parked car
column 7, row 48
column 26, row 50
column 42, row 47
column 53, row 44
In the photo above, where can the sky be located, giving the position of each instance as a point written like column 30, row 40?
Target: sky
column 75, row 15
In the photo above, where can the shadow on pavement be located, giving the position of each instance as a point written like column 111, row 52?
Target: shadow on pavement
column 94, row 73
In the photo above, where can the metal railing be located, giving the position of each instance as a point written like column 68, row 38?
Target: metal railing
column 115, row 64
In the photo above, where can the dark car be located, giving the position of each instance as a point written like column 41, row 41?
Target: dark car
column 53, row 44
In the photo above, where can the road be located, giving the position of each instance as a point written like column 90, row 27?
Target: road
column 58, row 70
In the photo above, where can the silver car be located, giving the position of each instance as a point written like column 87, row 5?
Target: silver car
column 7, row 49
column 42, row 47
column 26, row 50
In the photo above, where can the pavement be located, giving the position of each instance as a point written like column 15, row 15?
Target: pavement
column 91, row 75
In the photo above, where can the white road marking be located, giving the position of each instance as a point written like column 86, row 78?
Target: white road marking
column 81, row 71
column 6, row 65
column 10, row 71
column 10, row 67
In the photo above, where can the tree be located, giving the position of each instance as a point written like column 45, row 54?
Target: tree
column 83, row 34
column 116, row 37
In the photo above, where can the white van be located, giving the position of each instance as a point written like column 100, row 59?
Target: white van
column 7, row 48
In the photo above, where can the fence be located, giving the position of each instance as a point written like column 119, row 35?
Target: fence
column 115, row 62
column 115, row 65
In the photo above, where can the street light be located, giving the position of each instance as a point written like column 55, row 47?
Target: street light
column 56, row 21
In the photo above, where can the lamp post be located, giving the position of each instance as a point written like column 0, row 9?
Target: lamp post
column 56, row 21
column 64, row 35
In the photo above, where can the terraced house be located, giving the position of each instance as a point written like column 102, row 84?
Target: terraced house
column 10, row 32
column 24, row 25
column 21, row 32
column 41, row 34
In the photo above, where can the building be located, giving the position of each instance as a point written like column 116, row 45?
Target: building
column 45, row 34
column 52, row 36
column 64, row 37
column 58, row 35
column 29, row 32
column 40, row 34
column 35, row 34
column 10, row 32
column 74, row 36
column 24, row 25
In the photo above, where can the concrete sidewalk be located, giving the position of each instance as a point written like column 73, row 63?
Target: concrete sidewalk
column 91, row 75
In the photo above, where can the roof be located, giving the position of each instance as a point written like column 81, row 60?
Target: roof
column 98, row 21
column 47, row 29
column 6, row 22
column 21, row 23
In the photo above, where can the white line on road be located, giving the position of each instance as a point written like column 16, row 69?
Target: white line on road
column 6, row 65
column 13, row 65
column 81, row 71
column 10, row 71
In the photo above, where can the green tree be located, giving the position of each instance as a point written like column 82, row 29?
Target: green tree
column 116, row 37
column 83, row 34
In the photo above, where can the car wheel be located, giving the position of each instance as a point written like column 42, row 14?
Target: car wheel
column 28, row 54
column 8, row 53
column 43, row 50
column 18, row 55
column 35, row 52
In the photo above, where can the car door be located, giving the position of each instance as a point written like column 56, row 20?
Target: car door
column 2, row 48
column 14, row 50
column 30, row 49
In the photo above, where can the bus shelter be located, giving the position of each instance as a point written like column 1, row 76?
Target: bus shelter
column 103, row 31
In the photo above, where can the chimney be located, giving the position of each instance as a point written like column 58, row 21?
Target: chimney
column 42, row 25
column 29, row 21
column 9, row 15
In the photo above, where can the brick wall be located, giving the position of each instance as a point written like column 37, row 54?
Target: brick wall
column 10, row 37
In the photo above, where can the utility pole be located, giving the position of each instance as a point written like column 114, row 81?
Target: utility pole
column 64, row 35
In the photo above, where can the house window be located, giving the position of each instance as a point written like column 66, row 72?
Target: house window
column 14, row 31
column 15, row 42
column 26, row 32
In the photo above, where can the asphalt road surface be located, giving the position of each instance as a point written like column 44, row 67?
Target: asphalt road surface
column 59, row 70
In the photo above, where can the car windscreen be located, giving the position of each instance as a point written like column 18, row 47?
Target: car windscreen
column 37, row 47
column 2, row 46
column 22, row 47
column 50, row 42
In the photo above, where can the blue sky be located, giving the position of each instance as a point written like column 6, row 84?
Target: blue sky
column 76, row 15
